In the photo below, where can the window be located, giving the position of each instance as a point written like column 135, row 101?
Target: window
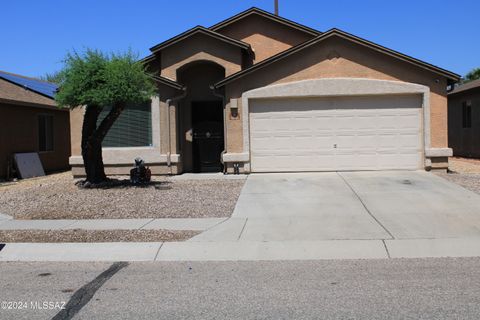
column 467, row 114
column 45, row 132
column 133, row 128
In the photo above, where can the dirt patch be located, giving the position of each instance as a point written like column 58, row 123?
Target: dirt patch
column 94, row 235
column 57, row 197
column 464, row 165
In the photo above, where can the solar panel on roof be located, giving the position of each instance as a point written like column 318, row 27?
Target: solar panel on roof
column 42, row 87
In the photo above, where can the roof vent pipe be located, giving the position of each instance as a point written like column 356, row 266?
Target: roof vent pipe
column 276, row 7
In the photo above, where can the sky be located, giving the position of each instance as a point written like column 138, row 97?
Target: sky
column 36, row 34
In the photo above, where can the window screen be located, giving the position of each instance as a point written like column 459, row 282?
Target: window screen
column 45, row 132
column 133, row 128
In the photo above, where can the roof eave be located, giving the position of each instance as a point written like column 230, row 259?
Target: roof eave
column 459, row 89
column 167, row 82
column 203, row 30
column 147, row 59
column 448, row 74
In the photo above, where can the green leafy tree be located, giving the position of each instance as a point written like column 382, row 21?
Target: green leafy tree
column 55, row 77
column 95, row 80
column 472, row 75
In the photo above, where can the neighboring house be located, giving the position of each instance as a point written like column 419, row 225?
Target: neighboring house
column 464, row 120
column 30, row 121
column 260, row 93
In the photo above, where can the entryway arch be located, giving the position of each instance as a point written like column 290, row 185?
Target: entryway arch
column 201, row 117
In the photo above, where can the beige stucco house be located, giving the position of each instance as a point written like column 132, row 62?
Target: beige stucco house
column 31, row 121
column 260, row 93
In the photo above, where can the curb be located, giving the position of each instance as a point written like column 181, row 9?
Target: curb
column 242, row 250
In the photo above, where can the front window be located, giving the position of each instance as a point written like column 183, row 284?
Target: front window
column 133, row 128
column 45, row 132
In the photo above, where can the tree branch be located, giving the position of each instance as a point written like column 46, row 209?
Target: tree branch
column 107, row 122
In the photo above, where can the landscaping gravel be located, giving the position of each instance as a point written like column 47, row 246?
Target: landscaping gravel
column 464, row 172
column 57, row 197
column 470, row 181
column 77, row 235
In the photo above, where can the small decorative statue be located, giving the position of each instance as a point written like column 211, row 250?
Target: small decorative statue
column 140, row 174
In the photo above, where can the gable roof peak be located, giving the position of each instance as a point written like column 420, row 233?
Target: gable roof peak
column 200, row 29
column 453, row 77
column 265, row 14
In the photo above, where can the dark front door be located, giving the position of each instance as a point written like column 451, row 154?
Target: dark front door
column 208, row 144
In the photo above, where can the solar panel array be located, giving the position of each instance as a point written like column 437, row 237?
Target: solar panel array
column 39, row 86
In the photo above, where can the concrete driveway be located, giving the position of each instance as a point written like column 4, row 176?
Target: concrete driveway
column 350, row 206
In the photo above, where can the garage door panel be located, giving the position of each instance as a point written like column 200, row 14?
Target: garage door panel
column 392, row 161
column 283, row 162
column 354, row 133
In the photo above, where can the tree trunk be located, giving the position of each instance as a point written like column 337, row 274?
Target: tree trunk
column 92, row 137
column 89, row 150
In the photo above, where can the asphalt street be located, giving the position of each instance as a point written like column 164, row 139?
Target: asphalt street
column 348, row 289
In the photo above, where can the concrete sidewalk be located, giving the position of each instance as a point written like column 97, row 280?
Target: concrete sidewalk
column 241, row 250
column 5, row 217
column 199, row 224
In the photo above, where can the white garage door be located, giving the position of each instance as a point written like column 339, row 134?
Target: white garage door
column 337, row 133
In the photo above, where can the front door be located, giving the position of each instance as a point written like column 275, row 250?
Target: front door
column 208, row 143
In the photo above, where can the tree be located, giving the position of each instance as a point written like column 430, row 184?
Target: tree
column 95, row 80
column 474, row 74
column 55, row 77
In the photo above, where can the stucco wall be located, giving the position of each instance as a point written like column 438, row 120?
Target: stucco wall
column 19, row 133
column 265, row 36
column 76, row 122
column 336, row 58
column 200, row 47
column 464, row 141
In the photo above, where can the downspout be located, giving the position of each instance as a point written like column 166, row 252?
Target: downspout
column 222, row 96
column 169, row 102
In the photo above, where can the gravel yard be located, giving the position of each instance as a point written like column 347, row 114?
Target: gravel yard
column 464, row 172
column 94, row 235
column 57, row 197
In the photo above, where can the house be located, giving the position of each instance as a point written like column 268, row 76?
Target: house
column 260, row 93
column 30, row 121
column 464, row 120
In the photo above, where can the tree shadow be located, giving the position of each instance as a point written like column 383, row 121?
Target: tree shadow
column 123, row 184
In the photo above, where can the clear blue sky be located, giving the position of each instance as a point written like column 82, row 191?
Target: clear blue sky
column 36, row 35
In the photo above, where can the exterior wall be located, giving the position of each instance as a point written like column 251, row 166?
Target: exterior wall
column 76, row 122
column 465, row 142
column 19, row 133
column 197, row 48
column 266, row 37
column 335, row 58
